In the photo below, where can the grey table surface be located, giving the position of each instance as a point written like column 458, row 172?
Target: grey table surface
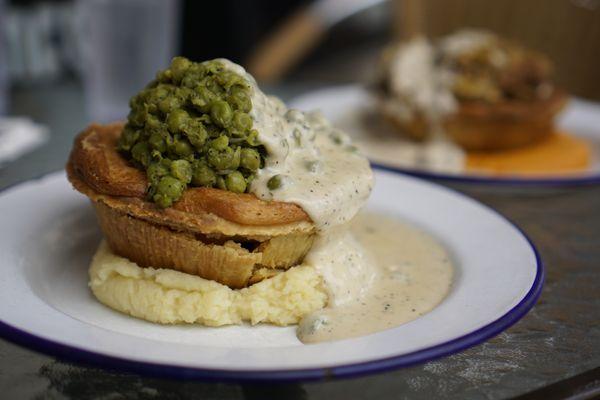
column 558, row 339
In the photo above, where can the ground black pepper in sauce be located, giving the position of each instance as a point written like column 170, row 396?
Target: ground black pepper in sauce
column 379, row 272
column 402, row 274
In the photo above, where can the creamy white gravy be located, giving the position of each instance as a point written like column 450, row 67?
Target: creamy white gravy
column 379, row 273
column 403, row 274
column 381, row 143
column 465, row 41
column 319, row 168
column 418, row 83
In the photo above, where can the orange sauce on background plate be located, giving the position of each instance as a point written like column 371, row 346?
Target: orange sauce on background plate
column 560, row 153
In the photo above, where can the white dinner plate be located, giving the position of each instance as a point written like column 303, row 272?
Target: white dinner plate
column 49, row 234
column 346, row 106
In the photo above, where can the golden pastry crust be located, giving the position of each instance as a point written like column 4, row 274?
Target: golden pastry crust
column 200, row 222
column 224, row 260
column 479, row 126
column 218, row 235
column 506, row 125
column 96, row 161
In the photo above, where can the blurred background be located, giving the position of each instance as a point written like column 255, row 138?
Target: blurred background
column 64, row 63
column 106, row 50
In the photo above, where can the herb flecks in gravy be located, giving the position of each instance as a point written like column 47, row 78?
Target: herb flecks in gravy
column 381, row 273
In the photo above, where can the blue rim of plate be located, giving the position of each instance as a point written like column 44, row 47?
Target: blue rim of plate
column 523, row 182
column 90, row 358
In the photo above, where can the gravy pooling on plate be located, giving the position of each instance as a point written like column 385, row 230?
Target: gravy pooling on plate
column 381, row 273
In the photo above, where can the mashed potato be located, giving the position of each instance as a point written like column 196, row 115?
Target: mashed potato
column 169, row 297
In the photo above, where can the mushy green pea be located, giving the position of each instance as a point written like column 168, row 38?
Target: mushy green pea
column 191, row 127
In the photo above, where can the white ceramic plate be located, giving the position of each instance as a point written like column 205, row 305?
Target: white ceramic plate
column 49, row 233
column 345, row 106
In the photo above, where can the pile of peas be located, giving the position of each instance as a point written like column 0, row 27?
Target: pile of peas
column 190, row 126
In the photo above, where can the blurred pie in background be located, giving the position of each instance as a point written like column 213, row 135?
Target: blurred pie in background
column 477, row 102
